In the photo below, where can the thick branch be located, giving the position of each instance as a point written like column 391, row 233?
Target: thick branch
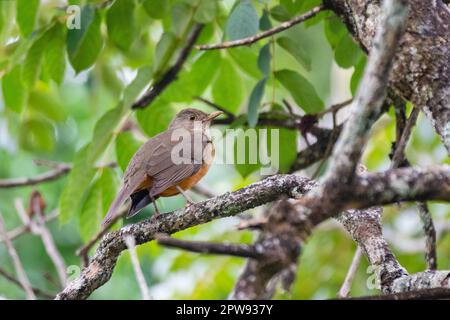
column 436, row 185
column 421, row 72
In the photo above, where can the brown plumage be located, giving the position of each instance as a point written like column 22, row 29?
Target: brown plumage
column 154, row 172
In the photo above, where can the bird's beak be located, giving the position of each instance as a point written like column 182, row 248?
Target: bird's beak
column 213, row 115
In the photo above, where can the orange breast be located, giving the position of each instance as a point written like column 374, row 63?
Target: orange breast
column 186, row 183
column 192, row 180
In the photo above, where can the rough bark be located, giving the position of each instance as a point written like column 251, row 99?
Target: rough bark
column 421, row 71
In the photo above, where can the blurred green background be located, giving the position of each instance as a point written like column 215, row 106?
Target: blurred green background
column 66, row 95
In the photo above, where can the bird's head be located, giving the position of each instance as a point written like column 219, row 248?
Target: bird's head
column 188, row 118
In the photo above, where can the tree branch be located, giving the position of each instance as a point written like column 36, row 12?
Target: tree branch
column 435, row 185
column 235, row 250
column 22, row 276
column 171, row 74
column 421, row 72
column 264, row 34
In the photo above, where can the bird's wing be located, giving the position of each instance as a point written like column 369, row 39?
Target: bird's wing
column 167, row 172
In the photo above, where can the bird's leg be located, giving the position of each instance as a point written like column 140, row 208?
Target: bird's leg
column 189, row 201
column 157, row 213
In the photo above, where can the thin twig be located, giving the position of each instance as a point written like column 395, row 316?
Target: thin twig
column 236, row 250
column 171, row 74
column 84, row 250
column 17, row 232
column 5, row 274
column 22, row 276
column 398, row 160
column 265, row 34
column 59, row 170
column 229, row 114
column 44, row 177
column 399, row 155
column 347, row 284
column 40, row 229
column 430, row 235
column 131, row 244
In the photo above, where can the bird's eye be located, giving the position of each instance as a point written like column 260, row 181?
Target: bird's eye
column 192, row 118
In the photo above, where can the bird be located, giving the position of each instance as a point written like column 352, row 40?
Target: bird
column 157, row 170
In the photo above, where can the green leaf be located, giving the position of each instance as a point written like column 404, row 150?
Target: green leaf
column 264, row 147
column 37, row 134
column 287, row 146
column 98, row 199
column 14, row 92
column 55, row 53
column 358, row 74
column 132, row 91
column 227, row 88
column 26, row 15
column 126, row 147
column 120, row 22
column 264, row 59
column 295, row 48
column 31, row 68
column 41, row 100
column 206, row 11
column 279, row 13
column 90, row 214
column 194, row 82
column 84, row 44
column 104, row 132
column 156, row 9
column 108, row 183
column 334, row 30
column 301, row 90
column 156, row 119
column 78, row 181
column 243, row 21
column 264, row 21
column 254, row 102
column 246, row 58
column 347, row 52
column 181, row 17
column 163, row 51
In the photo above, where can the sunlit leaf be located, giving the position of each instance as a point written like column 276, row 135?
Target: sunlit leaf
column 31, row 68
column 37, row 134
column 120, row 21
column 156, row 9
column 55, row 53
column 227, row 88
column 78, row 181
column 43, row 101
column 14, row 92
column 26, row 15
column 155, row 119
column 126, row 147
column 206, row 11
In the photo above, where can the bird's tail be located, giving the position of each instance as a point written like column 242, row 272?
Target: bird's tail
column 120, row 198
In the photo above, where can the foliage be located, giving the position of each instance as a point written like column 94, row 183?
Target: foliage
column 67, row 96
